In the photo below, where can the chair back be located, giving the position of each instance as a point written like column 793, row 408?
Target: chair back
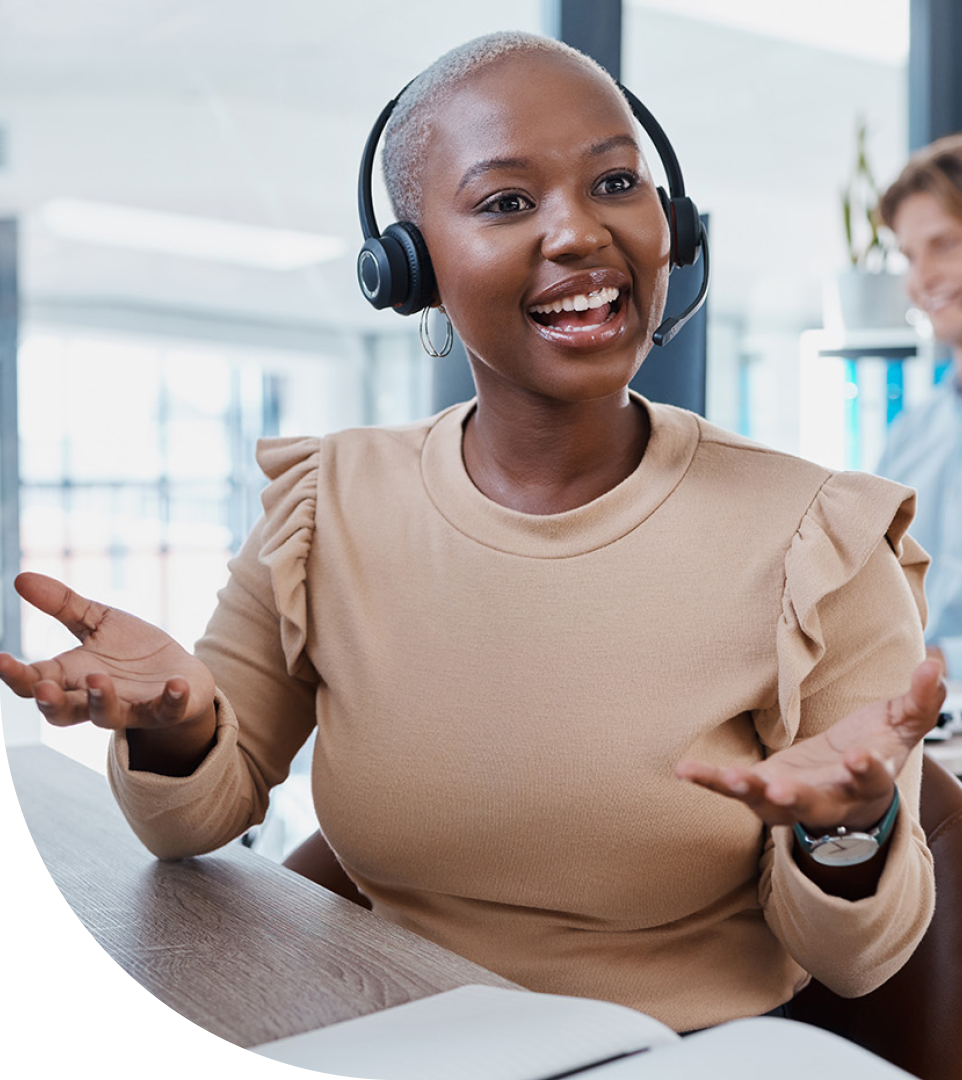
column 914, row 1019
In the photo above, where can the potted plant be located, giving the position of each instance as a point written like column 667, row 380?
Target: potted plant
column 867, row 295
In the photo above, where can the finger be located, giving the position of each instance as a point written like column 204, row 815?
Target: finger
column 918, row 708
column 59, row 707
column 740, row 784
column 785, row 793
column 168, row 708
column 870, row 790
column 78, row 614
column 870, row 773
column 695, row 771
column 20, row 677
column 734, row 782
column 104, row 708
column 857, row 797
column 933, row 652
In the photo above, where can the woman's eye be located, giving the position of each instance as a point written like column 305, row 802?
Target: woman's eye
column 617, row 183
column 511, row 202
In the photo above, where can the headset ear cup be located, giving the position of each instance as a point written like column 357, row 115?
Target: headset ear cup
column 686, row 231
column 382, row 271
column 420, row 272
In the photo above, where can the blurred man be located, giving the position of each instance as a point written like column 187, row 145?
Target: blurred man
column 924, row 210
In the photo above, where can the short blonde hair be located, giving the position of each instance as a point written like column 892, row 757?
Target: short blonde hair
column 937, row 169
column 409, row 128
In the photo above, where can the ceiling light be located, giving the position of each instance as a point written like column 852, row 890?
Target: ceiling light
column 186, row 236
column 872, row 29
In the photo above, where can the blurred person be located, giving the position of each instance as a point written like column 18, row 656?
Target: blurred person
column 923, row 208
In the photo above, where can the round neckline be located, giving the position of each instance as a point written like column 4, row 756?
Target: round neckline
column 671, row 447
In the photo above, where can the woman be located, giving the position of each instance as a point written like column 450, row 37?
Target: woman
column 521, row 625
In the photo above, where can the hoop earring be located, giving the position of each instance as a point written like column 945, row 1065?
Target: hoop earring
column 425, row 333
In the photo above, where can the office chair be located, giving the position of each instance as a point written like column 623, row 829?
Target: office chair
column 915, row 1019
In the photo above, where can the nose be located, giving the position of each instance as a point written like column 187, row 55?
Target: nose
column 573, row 230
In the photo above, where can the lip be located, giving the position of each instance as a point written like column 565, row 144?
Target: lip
column 601, row 277
column 597, row 337
column 935, row 302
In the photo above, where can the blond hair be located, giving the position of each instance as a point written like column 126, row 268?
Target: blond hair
column 409, row 128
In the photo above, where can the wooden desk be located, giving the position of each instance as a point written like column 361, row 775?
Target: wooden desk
column 239, row 945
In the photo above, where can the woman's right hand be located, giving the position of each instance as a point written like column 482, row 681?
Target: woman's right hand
column 125, row 674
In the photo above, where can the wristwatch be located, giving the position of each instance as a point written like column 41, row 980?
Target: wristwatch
column 846, row 847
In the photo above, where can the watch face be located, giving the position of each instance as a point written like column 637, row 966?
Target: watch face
column 844, row 850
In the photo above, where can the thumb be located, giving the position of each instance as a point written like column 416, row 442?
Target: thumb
column 919, row 707
column 78, row 614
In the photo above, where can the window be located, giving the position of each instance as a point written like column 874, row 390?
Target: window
column 138, row 479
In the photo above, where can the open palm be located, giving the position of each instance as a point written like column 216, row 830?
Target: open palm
column 126, row 673
column 845, row 774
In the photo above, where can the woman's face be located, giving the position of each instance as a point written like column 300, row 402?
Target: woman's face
column 931, row 239
column 545, row 230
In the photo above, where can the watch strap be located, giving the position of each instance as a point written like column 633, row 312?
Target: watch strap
column 883, row 830
column 880, row 833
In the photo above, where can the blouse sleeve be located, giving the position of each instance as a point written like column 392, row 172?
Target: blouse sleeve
column 850, row 633
column 255, row 646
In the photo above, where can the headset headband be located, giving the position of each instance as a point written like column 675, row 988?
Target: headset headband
column 365, row 197
column 394, row 268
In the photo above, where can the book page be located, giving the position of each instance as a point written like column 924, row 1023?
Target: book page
column 762, row 1048
column 474, row 1033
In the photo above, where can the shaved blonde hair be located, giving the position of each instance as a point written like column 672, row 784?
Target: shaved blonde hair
column 409, row 128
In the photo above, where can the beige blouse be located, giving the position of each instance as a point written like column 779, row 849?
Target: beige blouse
column 501, row 699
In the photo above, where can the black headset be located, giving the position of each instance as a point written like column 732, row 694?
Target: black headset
column 394, row 267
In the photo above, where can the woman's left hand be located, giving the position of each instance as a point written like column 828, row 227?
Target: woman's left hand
column 843, row 776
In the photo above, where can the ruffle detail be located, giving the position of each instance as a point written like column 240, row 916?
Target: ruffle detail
column 290, row 506
column 838, row 533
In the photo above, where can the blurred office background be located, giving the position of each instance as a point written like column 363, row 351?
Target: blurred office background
column 178, row 231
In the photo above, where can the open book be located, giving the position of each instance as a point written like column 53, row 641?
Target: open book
column 482, row 1033
column 489, row 1033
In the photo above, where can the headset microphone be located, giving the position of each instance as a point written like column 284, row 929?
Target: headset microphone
column 689, row 238
column 394, row 267
column 670, row 326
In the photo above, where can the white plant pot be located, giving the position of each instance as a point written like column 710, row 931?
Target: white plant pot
column 860, row 300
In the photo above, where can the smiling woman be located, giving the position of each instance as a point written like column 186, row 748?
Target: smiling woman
column 553, row 251
column 523, row 205
column 607, row 699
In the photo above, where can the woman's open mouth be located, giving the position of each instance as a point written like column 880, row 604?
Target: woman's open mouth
column 583, row 320
column 579, row 312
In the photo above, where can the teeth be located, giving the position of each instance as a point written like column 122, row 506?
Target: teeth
column 935, row 301
column 578, row 302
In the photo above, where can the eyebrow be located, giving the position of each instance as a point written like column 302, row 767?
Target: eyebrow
column 492, row 164
column 616, row 142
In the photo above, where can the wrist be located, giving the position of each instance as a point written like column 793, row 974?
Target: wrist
column 845, row 846
column 173, row 751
